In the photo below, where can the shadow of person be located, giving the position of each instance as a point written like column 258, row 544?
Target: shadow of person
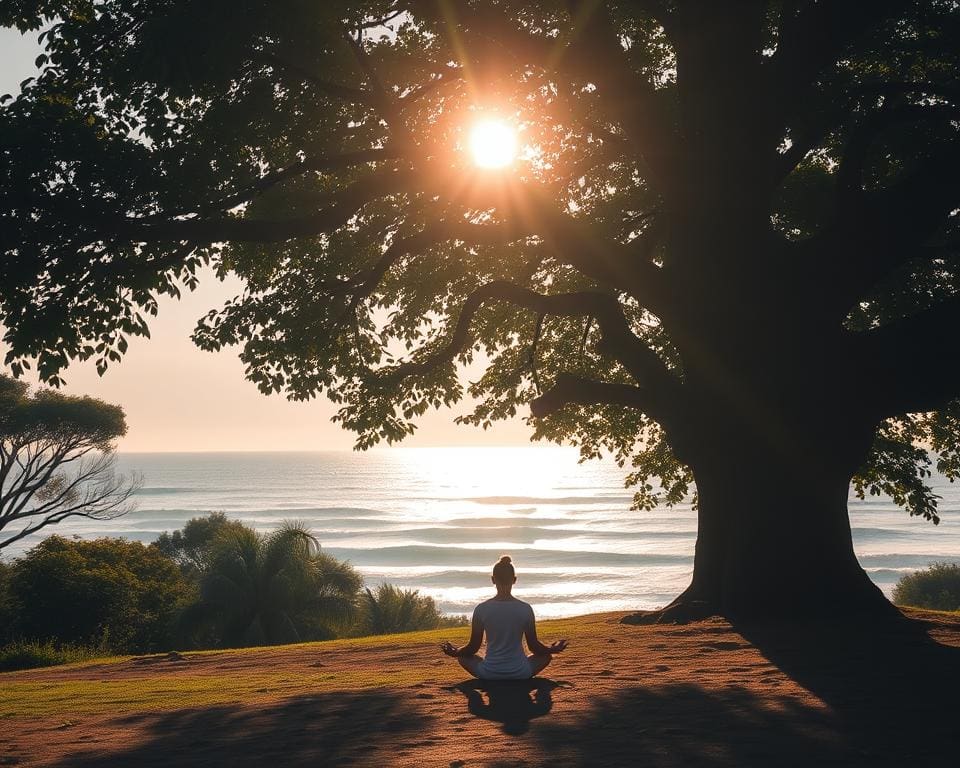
column 514, row 703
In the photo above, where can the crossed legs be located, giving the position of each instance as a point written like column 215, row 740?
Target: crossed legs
column 537, row 663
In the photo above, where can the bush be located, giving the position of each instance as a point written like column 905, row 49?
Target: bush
column 215, row 583
column 936, row 587
column 258, row 589
column 270, row 589
column 191, row 547
column 391, row 610
column 32, row 654
column 6, row 604
column 108, row 593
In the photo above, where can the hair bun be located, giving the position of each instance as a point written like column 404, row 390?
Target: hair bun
column 505, row 559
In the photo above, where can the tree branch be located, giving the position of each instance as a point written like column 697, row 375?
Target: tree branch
column 810, row 127
column 335, row 90
column 594, row 51
column 904, row 367
column 575, row 242
column 340, row 207
column 362, row 285
column 93, row 492
column 813, row 38
column 319, row 163
column 40, row 464
column 849, row 174
column 874, row 234
column 618, row 340
column 808, row 135
column 442, row 80
column 574, row 390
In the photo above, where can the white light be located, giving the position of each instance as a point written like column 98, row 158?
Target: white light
column 493, row 144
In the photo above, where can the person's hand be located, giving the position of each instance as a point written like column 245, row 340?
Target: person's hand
column 558, row 646
column 448, row 648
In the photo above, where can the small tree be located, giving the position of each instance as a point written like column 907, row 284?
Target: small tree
column 57, row 460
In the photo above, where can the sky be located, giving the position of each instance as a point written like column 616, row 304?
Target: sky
column 179, row 398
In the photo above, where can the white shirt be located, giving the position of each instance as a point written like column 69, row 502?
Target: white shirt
column 505, row 622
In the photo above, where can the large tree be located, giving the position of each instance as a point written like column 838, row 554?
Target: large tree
column 728, row 254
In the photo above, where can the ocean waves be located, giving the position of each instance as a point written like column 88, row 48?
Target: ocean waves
column 436, row 520
column 598, row 498
column 449, row 555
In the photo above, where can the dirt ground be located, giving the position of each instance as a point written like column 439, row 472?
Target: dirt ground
column 702, row 694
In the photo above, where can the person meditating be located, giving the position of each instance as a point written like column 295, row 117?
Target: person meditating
column 506, row 621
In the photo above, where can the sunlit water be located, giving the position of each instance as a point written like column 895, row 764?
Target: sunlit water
column 436, row 519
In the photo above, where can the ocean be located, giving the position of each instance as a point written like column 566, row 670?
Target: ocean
column 436, row 519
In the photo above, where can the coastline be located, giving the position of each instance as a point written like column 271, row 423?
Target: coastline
column 435, row 520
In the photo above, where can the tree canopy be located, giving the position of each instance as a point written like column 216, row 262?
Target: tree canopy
column 733, row 224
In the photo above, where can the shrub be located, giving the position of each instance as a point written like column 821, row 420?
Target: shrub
column 270, row 589
column 7, row 615
column 936, row 587
column 108, row 593
column 24, row 654
column 390, row 610
column 191, row 547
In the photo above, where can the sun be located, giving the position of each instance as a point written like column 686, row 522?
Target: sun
column 493, row 144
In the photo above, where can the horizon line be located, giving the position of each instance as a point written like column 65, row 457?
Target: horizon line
column 508, row 446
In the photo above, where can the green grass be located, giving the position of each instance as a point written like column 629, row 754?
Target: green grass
column 24, row 654
column 154, row 689
column 949, row 614
column 168, row 686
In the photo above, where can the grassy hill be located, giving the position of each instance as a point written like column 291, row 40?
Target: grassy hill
column 700, row 694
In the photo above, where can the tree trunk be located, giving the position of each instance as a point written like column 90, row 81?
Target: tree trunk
column 773, row 538
column 772, row 544
column 773, row 425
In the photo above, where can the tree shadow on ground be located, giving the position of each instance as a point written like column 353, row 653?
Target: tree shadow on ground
column 886, row 699
column 513, row 703
column 330, row 729
column 891, row 686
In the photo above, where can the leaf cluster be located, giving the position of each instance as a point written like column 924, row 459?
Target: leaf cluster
column 50, row 418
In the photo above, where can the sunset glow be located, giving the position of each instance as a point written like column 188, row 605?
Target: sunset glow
column 493, row 144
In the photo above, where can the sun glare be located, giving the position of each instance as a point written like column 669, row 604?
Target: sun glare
column 493, row 144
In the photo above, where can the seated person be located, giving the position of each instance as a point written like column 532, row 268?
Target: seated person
column 506, row 621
